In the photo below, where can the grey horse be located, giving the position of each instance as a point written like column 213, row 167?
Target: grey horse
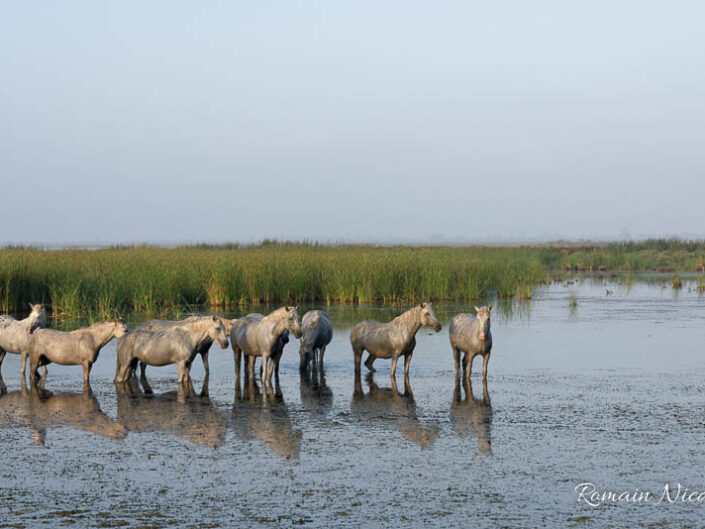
column 79, row 347
column 317, row 333
column 203, row 348
column 392, row 340
column 258, row 335
column 15, row 334
column 275, row 356
column 175, row 344
column 472, row 336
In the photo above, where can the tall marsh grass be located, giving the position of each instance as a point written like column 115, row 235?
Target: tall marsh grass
column 154, row 280
column 105, row 282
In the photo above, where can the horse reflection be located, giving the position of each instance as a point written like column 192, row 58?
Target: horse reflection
column 181, row 413
column 315, row 394
column 392, row 404
column 471, row 416
column 40, row 410
column 265, row 416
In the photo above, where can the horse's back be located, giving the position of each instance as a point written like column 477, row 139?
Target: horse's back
column 362, row 329
column 9, row 333
column 317, row 328
column 460, row 327
column 241, row 326
column 6, row 321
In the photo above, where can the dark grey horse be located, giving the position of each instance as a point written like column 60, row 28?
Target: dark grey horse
column 317, row 333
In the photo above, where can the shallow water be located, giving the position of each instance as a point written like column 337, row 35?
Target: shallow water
column 609, row 392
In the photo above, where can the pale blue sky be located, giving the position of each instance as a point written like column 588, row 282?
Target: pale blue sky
column 375, row 121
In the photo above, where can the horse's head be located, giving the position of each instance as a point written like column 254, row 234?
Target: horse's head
column 293, row 321
column 305, row 355
column 483, row 317
column 37, row 317
column 228, row 325
column 217, row 332
column 120, row 328
column 428, row 317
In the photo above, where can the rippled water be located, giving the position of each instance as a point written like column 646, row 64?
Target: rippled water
column 610, row 392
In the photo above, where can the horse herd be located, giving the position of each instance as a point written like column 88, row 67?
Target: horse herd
column 163, row 342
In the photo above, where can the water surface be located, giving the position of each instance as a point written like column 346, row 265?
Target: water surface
column 609, row 392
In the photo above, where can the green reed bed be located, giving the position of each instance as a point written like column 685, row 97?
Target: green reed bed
column 153, row 280
column 667, row 255
column 106, row 282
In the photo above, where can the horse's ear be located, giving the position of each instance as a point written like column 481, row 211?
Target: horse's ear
column 288, row 309
column 476, row 309
column 215, row 318
column 41, row 306
column 490, row 309
column 422, row 305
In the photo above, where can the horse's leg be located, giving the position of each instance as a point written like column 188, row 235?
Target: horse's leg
column 250, row 367
column 204, row 387
column 370, row 360
column 486, row 360
column 118, row 369
column 272, row 363
column 187, row 370
column 358, row 357
column 124, row 371
column 33, row 366
column 237, row 354
column 393, row 371
column 468, row 364
column 204, row 357
column 465, row 363
column 263, row 368
column 143, row 370
column 181, row 368
column 86, row 370
column 23, row 362
column 407, row 363
column 456, row 358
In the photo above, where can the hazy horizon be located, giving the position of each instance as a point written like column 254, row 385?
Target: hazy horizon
column 456, row 122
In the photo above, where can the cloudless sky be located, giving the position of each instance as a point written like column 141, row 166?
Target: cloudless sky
column 172, row 121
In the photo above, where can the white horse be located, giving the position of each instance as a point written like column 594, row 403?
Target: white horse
column 392, row 340
column 15, row 334
column 79, row 347
column 174, row 344
column 257, row 335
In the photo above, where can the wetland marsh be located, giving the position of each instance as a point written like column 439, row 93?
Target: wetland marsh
column 607, row 391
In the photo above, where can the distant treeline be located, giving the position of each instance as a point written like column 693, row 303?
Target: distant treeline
column 74, row 282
